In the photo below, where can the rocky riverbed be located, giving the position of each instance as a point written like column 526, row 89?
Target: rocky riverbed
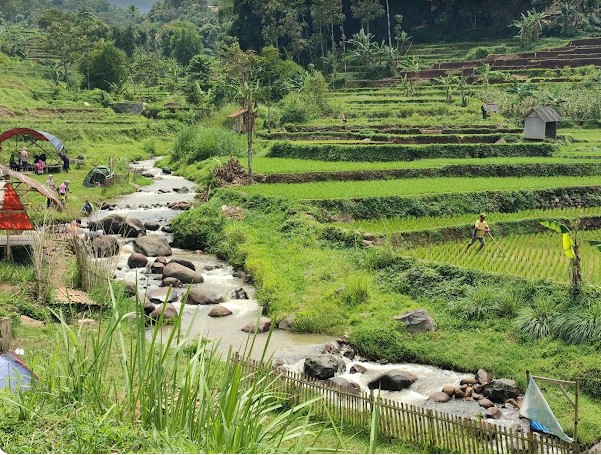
column 220, row 305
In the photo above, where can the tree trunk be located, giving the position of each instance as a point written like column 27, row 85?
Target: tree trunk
column 333, row 50
column 323, row 51
column 249, row 139
column 388, row 19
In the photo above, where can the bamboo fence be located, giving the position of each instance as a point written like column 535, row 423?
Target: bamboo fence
column 432, row 429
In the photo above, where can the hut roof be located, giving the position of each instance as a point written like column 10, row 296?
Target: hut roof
column 41, row 135
column 13, row 216
column 238, row 113
column 545, row 113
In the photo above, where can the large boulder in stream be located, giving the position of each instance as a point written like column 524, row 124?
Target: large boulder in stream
column 219, row 311
column 260, row 326
column 152, row 225
column 137, row 261
column 167, row 309
column 321, row 367
column 152, row 245
column 200, row 296
column 346, row 385
column 105, row 246
column 394, row 380
column 184, row 274
column 501, row 390
column 118, row 224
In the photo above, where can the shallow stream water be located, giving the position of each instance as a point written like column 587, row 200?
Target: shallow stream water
column 149, row 204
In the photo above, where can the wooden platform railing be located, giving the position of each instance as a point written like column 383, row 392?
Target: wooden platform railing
column 430, row 428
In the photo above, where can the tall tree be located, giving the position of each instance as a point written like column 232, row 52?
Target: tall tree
column 328, row 13
column 366, row 11
column 242, row 73
column 185, row 42
column 107, row 66
column 62, row 38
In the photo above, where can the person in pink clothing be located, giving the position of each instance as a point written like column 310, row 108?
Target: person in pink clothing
column 40, row 166
column 63, row 189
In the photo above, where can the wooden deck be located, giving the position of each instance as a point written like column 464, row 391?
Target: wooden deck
column 68, row 296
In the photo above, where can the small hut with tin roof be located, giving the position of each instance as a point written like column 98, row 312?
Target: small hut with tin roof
column 541, row 122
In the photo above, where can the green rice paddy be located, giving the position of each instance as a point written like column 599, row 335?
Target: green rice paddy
column 390, row 225
column 411, row 187
column 538, row 255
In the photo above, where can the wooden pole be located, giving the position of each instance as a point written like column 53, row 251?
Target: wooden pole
column 576, row 445
column 6, row 334
column 9, row 254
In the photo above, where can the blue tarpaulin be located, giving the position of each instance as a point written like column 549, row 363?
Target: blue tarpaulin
column 14, row 373
column 537, row 410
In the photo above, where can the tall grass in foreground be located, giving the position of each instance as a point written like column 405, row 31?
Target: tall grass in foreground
column 120, row 373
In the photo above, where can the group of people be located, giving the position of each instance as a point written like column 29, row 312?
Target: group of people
column 20, row 161
column 61, row 189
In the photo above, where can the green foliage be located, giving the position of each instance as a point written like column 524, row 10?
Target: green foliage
column 294, row 109
column 390, row 152
column 185, row 42
column 449, row 204
column 537, row 319
column 355, row 290
column 580, row 324
column 199, row 228
column 194, row 143
column 484, row 302
column 105, row 67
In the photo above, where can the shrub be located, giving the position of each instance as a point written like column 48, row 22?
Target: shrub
column 195, row 143
column 199, row 228
column 397, row 152
column 486, row 302
column 355, row 290
column 581, row 324
column 295, row 109
column 537, row 320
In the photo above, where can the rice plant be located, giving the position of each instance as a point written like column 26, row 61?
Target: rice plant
column 410, row 187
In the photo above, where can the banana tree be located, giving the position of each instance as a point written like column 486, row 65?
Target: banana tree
column 449, row 82
column 569, row 242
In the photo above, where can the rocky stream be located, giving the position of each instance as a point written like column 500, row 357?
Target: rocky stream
column 221, row 305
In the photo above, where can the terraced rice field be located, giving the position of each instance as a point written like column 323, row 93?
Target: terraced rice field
column 408, row 224
column 534, row 256
column 410, row 187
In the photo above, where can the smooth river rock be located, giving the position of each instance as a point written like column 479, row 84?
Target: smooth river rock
column 152, row 245
column 200, row 296
column 136, row 261
column 219, row 311
column 321, row 367
column 260, row 326
column 394, row 380
column 184, row 274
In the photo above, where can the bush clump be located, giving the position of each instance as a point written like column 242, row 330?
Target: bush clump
column 199, row 228
column 194, row 143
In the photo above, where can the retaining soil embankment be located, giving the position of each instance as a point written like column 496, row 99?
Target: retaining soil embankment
column 476, row 170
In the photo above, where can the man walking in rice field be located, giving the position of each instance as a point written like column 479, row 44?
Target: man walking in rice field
column 480, row 230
